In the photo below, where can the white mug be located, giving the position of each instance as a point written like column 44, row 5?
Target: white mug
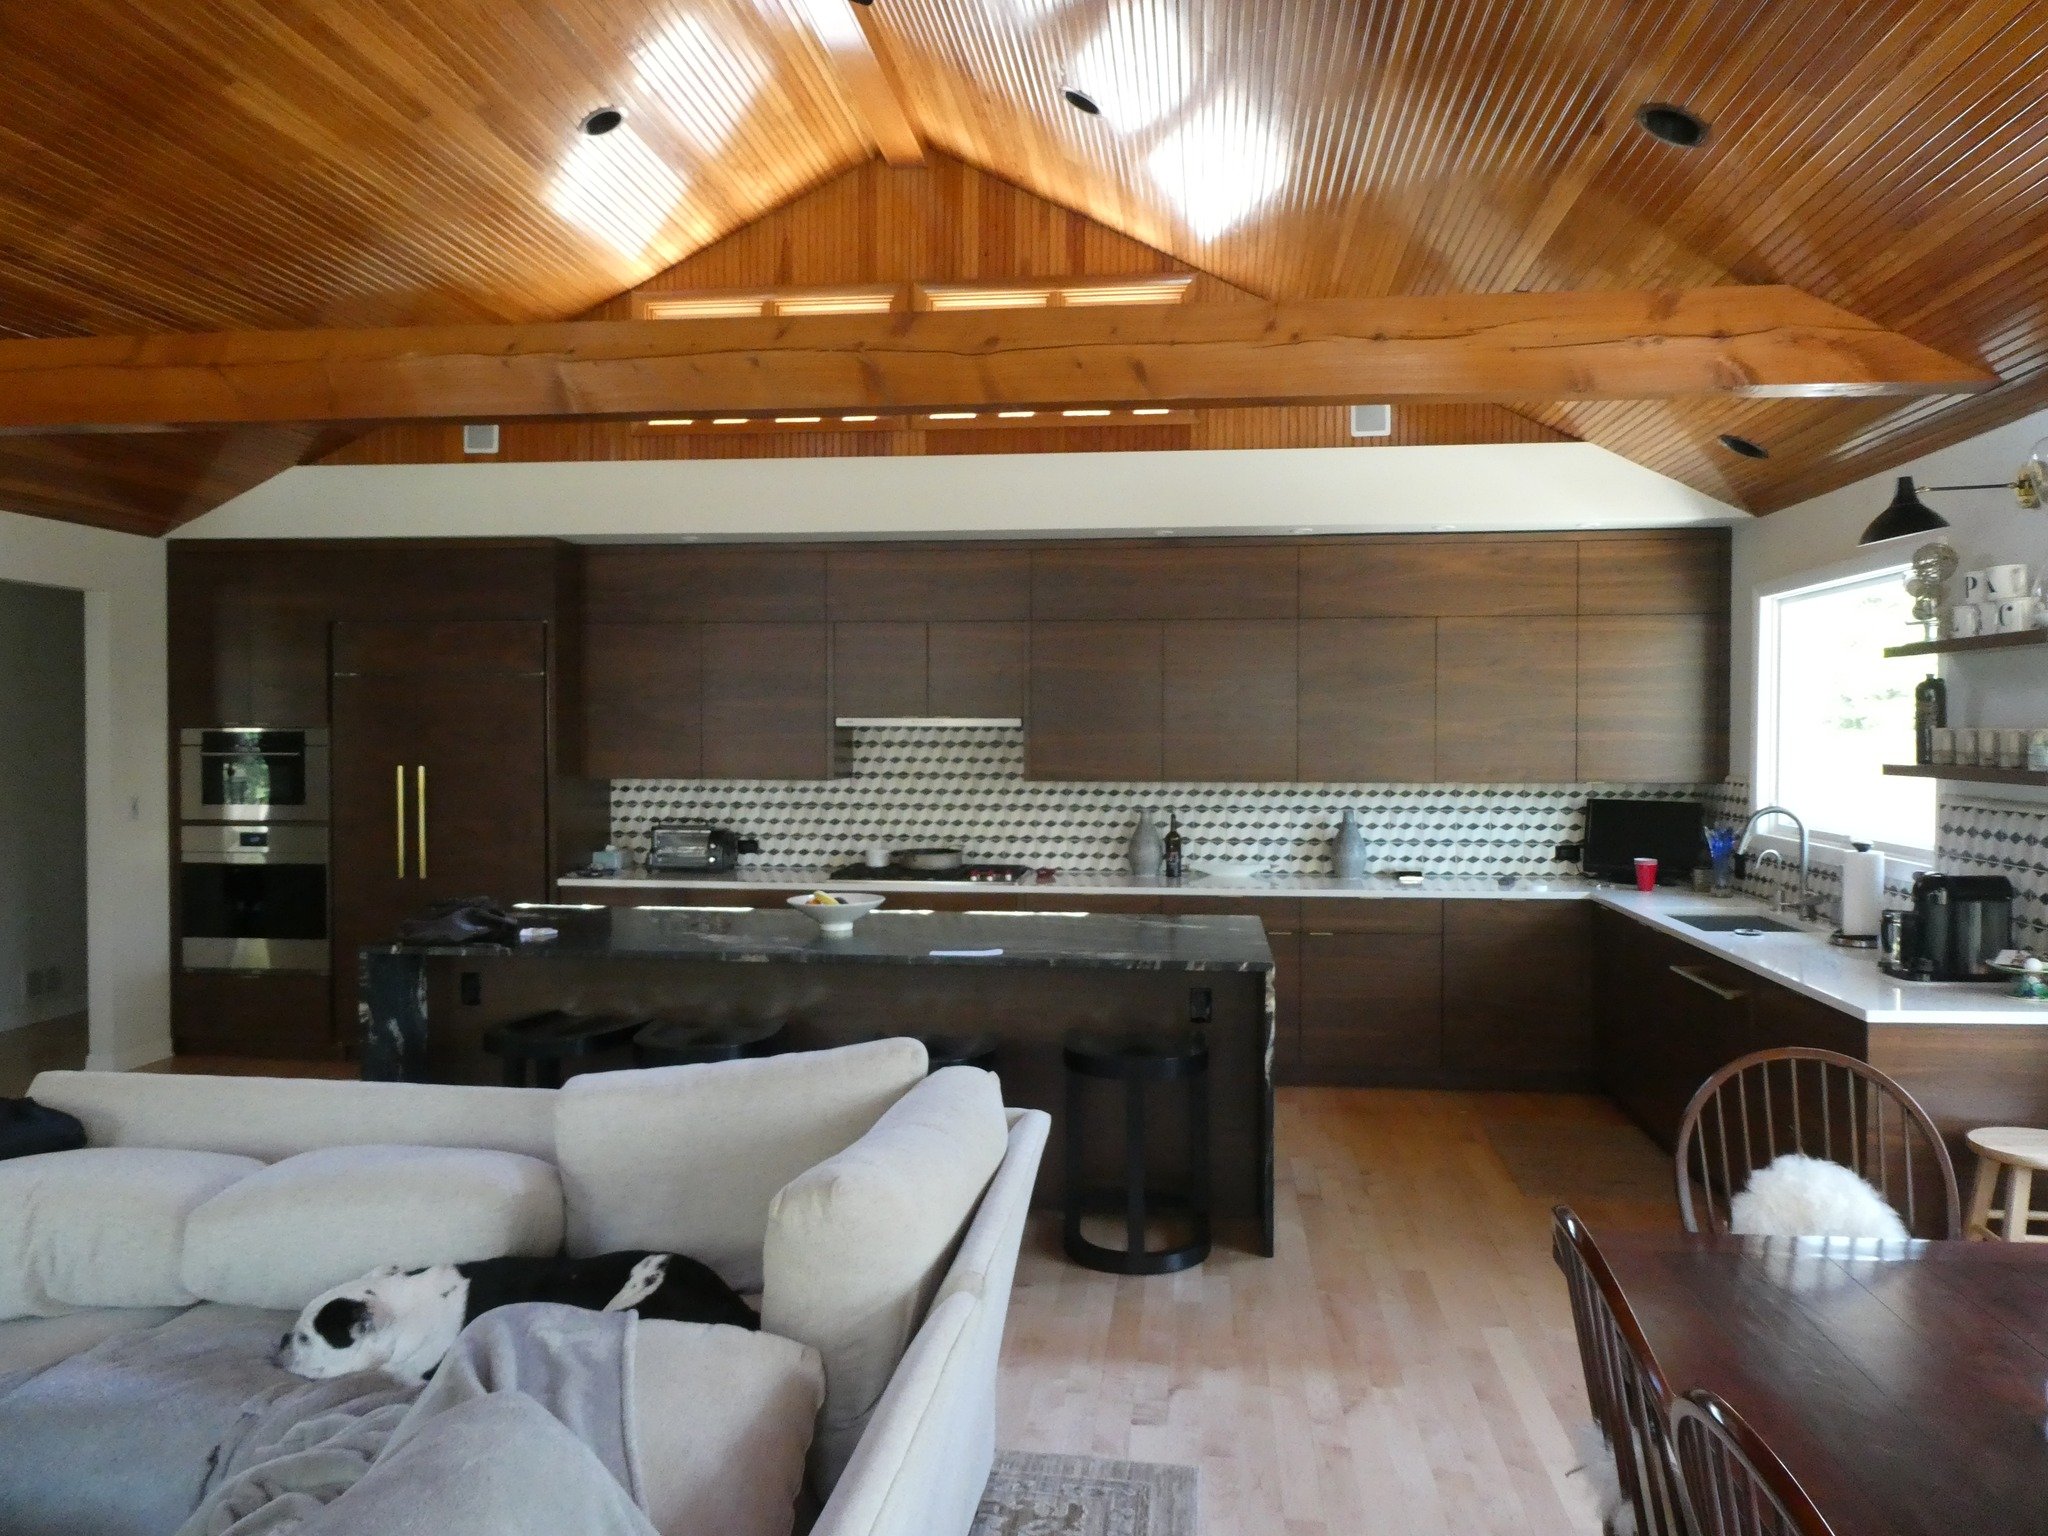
column 2016, row 613
column 1966, row 746
column 1965, row 621
column 2007, row 580
column 2012, row 748
column 1974, row 587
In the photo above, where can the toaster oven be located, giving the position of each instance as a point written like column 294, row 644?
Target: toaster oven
column 695, row 848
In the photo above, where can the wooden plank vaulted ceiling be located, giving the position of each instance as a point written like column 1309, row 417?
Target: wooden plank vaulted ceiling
column 281, row 164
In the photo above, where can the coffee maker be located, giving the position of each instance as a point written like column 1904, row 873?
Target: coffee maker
column 1956, row 924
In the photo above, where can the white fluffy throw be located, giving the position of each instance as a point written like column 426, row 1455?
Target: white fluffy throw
column 1799, row 1196
column 1603, row 1479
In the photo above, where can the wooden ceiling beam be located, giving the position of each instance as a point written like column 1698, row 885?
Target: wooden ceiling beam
column 1743, row 342
column 853, row 44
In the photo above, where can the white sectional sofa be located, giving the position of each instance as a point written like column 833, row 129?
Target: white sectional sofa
column 876, row 1212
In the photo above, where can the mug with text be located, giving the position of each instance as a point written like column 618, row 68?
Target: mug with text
column 1975, row 588
column 1965, row 620
column 2006, row 580
column 2015, row 613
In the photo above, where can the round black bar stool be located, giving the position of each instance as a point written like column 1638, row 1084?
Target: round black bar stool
column 541, row 1042
column 683, row 1043
column 964, row 1050
column 1136, row 1061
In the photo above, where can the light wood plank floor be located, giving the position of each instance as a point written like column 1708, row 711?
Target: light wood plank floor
column 1405, row 1363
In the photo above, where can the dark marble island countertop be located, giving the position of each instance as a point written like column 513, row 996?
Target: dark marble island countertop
column 1029, row 939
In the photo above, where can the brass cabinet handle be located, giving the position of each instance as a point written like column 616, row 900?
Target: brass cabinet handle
column 398, row 814
column 419, row 800
column 1689, row 973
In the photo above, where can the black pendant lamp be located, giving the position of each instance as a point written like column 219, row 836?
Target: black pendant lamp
column 1907, row 514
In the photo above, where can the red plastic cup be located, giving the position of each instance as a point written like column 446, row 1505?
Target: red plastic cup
column 1646, row 874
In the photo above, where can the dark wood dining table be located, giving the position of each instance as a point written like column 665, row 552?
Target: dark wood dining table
column 1902, row 1383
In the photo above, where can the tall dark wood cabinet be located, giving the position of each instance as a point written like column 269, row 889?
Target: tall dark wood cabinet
column 1507, row 700
column 1518, row 979
column 1228, row 696
column 1097, row 701
column 1367, row 698
column 1371, row 992
column 440, row 773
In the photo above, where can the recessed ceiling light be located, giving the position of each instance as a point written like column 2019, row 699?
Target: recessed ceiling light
column 1016, row 415
column 1087, row 411
column 1151, row 410
column 952, row 415
column 859, row 418
column 1081, row 101
column 673, row 421
column 728, row 421
column 1673, row 125
column 601, row 122
column 1744, row 446
column 796, row 421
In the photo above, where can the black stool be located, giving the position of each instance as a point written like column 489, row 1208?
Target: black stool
column 545, row 1040
column 682, row 1043
column 967, row 1050
column 1136, row 1060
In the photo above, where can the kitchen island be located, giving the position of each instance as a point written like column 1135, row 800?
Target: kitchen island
column 1024, row 978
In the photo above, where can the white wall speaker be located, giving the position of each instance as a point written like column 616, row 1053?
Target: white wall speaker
column 484, row 439
column 1372, row 421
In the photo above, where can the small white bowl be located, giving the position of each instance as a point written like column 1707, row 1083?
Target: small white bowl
column 836, row 921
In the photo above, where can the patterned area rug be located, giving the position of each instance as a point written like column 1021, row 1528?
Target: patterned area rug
column 1036, row 1495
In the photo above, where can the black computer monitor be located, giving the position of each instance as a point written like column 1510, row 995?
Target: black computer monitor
column 1618, row 832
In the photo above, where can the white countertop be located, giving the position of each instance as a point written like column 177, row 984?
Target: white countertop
column 1847, row 979
column 1083, row 883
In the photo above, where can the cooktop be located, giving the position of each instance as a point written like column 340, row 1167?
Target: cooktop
column 978, row 874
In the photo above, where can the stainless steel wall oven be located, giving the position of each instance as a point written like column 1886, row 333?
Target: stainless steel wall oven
column 253, row 898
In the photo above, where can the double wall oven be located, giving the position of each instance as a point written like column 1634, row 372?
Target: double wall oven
column 252, row 850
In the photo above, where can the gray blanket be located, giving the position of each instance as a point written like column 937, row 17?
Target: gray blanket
column 187, row 1428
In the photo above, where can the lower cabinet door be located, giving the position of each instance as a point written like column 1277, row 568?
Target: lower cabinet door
column 1371, row 1007
column 1517, row 978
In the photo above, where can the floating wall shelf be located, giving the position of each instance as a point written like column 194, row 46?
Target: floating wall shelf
column 1962, row 645
column 1958, row 773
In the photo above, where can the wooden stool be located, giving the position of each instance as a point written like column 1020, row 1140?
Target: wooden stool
column 2019, row 1153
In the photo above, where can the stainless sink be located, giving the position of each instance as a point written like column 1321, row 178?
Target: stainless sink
column 1733, row 922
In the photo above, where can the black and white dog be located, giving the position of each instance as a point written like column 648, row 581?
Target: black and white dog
column 404, row 1321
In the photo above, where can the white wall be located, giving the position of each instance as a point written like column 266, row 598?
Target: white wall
column 1817, row 539
column 42, row 800
column 1498, row 486
column 127, row 797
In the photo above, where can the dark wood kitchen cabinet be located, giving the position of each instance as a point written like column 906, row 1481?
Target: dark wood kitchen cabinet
column 1111, row 580
column 1518, row 978
column 1425, row 576
column 982, row 583
column 1097, row 694
column 440, row 776
column 1367, row 701
column 1371, row 992
column 1507, row 700
column 642, row 701
column 1652, row 698
column 958, row 669
column 1228, row 700
column 767, row 701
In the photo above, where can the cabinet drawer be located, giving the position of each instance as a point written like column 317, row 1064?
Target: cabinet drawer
column 1350, row 914
column 1275, row 912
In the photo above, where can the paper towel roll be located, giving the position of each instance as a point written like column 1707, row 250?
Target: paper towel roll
column 1862, row 891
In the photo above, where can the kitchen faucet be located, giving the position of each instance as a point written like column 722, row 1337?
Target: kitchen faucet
column 1781, row 899
column 1808, row 907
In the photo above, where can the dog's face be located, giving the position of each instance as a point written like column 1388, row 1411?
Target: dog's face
column 341, row 1331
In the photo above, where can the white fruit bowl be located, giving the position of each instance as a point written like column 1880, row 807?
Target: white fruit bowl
column 835, row 920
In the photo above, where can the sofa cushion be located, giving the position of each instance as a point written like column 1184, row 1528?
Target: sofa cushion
column 102, row 1226
column 282, row 1236
column 686, row 1159
column 274, row 1117
column 857, row 1245
column 707, row 1400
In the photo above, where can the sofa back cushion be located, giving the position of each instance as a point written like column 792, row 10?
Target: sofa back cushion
column 102, row 1226
column 857, row 1245
column 274, row 1117
column 686, row 1159
column 282, row 1236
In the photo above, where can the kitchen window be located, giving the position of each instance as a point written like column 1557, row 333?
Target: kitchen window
column 1832, row 710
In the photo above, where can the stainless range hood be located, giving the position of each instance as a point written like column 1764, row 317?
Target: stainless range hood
column 942, row 722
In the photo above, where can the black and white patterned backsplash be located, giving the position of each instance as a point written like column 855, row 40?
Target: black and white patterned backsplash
column 965, row 787
column 1972, row 837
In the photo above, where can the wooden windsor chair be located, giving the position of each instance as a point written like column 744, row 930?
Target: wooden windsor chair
column 1734, row 1484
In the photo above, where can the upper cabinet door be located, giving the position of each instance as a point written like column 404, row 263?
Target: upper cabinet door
column 1506, row 701
column 1104, row 581
column 1229, row 700
column 1405, row 576
column 878, row 670
column 1368, row 701
column 978, row 671
column 643, row 704
column 767, row 701
column 1653, row 698
column 1655, row 573
column 740, row 583
column 894, row 583
column 1096, row 702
